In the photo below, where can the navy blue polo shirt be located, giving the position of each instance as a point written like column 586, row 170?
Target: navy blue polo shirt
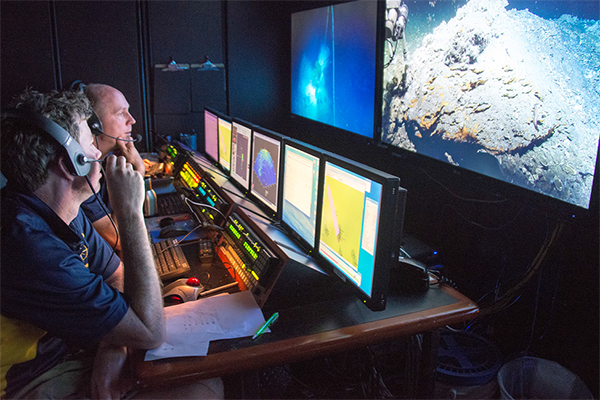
column 53, row 293
column 92, row 207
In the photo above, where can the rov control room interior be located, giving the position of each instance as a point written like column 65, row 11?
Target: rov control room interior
column 396, row 261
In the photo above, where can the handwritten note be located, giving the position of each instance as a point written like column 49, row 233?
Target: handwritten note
column 192, row 325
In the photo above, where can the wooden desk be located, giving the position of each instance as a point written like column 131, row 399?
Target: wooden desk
column 315, row 330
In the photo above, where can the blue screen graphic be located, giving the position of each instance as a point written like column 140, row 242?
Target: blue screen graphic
column 333, row 65
column 265, row 170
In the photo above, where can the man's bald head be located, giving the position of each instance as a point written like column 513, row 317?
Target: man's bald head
column 98, row 94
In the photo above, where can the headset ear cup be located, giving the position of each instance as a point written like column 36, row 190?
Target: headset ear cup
column 77, row 164
column 77, row 156
column 95, row 124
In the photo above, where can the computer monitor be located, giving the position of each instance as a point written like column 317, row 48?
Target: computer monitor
column 362, row 215
column 516, row 113
column 333, row 65
column 241, row 146
column 301, row 177
column 211, row 134
column 224, row 143
column 266, row 164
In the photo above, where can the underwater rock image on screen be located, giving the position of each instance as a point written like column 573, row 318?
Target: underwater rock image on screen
column 333, row 65
column 509, row 89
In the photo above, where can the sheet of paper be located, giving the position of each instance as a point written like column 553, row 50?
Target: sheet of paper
column 192, row 325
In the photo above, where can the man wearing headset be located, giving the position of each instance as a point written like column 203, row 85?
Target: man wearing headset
column 112, row 136
column 65, row 318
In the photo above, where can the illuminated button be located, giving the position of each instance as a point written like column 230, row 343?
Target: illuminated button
column 193, row 282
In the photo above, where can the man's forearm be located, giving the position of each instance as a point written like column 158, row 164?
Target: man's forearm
column 142, row 285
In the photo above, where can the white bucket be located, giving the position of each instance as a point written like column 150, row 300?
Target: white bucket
column 536, row 378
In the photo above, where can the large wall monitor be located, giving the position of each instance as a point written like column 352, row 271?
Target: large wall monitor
column 241, row 146
column 225, row 143
column 211, row 134
column 509, row 90
column 334, row 57
column 301, row 177
column 362, row 215
column 266, row 164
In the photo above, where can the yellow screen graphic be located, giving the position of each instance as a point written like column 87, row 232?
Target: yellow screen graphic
column 342, row 219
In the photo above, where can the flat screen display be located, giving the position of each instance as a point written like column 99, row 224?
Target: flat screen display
column 225, row 143
column 510, row 90
column 349, row 224
column 333, row 65
column 241, row 136
column 211, row 135
column 300, row 191
column 264, row 184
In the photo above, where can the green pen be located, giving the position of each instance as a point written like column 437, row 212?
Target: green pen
column 266, row 325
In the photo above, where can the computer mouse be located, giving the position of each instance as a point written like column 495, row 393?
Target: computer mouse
column 166, row 222
column 187, row 289
column 171, row 231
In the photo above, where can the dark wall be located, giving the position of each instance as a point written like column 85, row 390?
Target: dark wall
column 259, row 55
column 187, row 32
column 48, row 45
column 98, row 43
column 27, row 56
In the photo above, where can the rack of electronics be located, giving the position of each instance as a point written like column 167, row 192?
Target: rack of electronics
column 253, row 260
column 346, row 215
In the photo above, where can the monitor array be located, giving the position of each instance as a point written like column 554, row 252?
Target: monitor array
column 345, row 214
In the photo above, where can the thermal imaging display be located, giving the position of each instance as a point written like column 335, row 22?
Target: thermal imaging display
column 300, row 191
column 349, row 224
column 333, row 65
column 265, row 169
column 224, row 143
column 240, row 153
column 211, row 135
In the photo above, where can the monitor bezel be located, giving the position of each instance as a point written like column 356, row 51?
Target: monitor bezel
column 245, row 188
column 261, row 203
column 389, row 235
column 318, row 153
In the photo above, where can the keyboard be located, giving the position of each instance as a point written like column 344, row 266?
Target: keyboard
column 170, row 261
column 170, row 204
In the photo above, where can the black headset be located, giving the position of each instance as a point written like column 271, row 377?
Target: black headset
column 79, row 164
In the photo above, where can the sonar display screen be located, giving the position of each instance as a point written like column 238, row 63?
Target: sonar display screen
column 225, row 144
column 240, row 153
column 349, row 224
column 300, row 190
column 265, row 169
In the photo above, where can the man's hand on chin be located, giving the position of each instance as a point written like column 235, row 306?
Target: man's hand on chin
column 125, row 188
column 128, row 150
